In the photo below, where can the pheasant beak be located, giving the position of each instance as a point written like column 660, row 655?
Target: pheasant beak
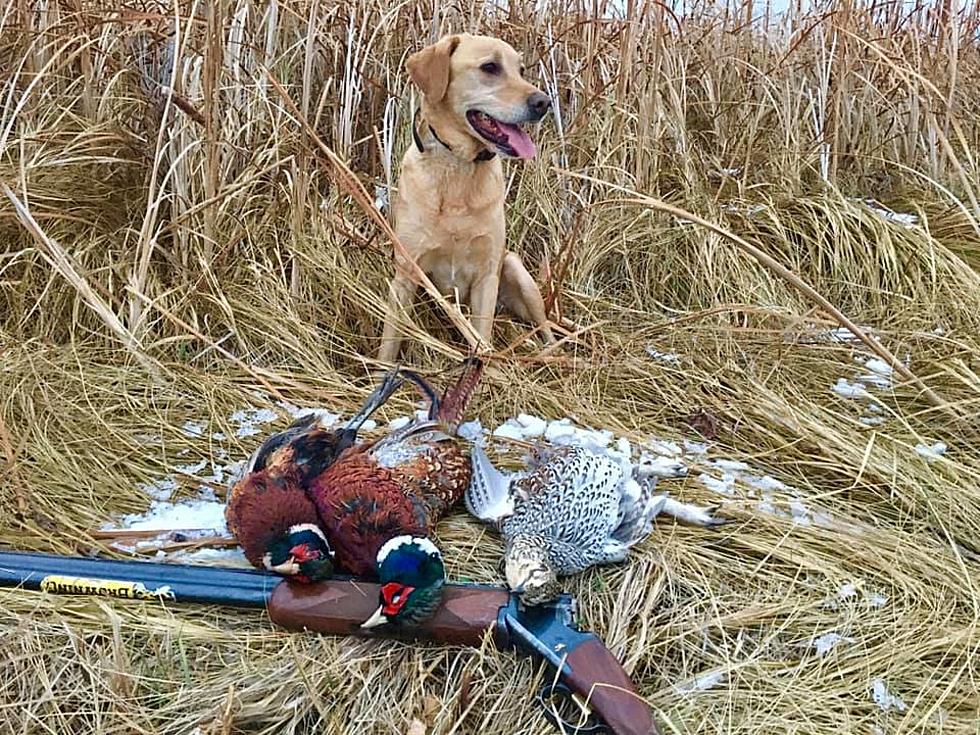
column 287, row 568
column 375, row 620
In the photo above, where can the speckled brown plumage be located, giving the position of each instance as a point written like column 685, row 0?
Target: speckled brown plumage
column 404, row 483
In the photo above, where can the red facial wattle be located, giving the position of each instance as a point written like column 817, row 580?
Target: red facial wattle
column 302, row 552
column 394, row 596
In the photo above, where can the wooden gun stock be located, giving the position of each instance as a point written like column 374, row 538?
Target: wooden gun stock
column 598, row 678
column 338, row 607
column 467, row 613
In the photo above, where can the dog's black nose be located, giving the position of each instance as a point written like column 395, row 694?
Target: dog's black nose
column 538, row 103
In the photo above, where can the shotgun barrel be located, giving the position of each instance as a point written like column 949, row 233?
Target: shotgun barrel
column 136, row 579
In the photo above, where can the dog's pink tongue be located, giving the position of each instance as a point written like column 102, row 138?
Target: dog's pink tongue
column 518, row 140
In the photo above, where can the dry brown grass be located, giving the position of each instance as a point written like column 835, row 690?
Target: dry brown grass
column 180, row 243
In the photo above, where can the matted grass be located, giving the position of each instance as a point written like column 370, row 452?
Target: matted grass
column 190, row 254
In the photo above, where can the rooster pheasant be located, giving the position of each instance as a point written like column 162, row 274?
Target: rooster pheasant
column 269, row 511
column 400, row 485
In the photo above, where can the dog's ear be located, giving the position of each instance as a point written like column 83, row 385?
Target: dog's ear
column 429, row 68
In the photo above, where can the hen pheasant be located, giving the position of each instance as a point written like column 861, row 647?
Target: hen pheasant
column 269, row 511
column 572, row 509
column 401, row 485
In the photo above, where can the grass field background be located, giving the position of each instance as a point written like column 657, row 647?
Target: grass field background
column 188, row 231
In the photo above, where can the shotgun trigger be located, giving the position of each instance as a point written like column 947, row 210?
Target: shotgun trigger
column 551, row 696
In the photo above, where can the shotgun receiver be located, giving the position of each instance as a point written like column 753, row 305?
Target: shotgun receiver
column 338, row 606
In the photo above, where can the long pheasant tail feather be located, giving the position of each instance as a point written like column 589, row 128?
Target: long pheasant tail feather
column 427, row 391
column 389, row 384
column 457, row 396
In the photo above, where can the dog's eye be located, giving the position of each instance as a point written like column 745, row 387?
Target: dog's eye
column 490, row 68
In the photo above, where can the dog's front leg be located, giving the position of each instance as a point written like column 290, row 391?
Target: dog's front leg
column 483, row 302
column 400, row 298
column 521, row 295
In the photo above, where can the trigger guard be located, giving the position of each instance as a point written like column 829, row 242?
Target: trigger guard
column 547, row 693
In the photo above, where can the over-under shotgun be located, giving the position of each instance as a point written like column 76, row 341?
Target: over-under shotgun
column 338, row 607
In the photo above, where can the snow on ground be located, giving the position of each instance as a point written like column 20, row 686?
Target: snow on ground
column 903, row 218
column 701, row 682
column 670, row 358
column 826, row 642
column 931, row 452
column 877, row 375
column 249, row 420
column 193, row 513
column 885, row 699
column 656, row 458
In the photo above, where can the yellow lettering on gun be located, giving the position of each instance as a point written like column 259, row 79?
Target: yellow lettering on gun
column 63, row 585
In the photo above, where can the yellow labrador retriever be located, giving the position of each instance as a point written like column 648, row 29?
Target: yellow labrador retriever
column 449, row 209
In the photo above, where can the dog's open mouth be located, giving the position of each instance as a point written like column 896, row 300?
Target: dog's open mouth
column 507, row 138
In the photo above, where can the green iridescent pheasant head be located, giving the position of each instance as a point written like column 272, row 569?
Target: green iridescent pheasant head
column 412, row 574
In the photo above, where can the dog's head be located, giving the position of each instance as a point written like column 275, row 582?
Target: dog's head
column 474, row 92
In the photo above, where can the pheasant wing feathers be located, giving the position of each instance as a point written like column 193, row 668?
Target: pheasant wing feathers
column 488, row 496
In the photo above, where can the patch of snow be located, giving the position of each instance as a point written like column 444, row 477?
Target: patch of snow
column 666, row 448
column 695, row 447
column 799, row 511
column 765, row 483
column 369, row 425
column 248, row 417
column 217, row 475
column 533, row 425
column 846, row 591
column 826, row 642
column 160, row 489
column 723, row 486
column 846, row 389
column 187, row 514
column 560, row 429
column 218, row 436
column 843, row 334
column 233, row 557
column 931, row 453
column 877, row 599
column 884, row 698
column 471, row 430
column 511, row 430
column 193, row 428
column 235, row 471
column 191, row 469
column 872, row 420
column 880, row 374
column 730, row 465
column 670, row 358
column 148, row 440
column 766, row 506
column 701, row 682
column 399, row 423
